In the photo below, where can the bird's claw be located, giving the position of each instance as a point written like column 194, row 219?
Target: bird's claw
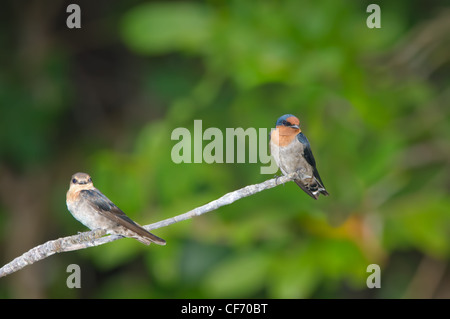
column 276, row 179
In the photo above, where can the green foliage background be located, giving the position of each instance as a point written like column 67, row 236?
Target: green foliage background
column 105, row 99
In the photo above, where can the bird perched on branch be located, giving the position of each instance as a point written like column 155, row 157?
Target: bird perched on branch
column 292, row 152
column 93, row 209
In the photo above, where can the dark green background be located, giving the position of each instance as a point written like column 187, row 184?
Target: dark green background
column 105, row 98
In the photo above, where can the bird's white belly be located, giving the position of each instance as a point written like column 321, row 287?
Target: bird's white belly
column 289, row 158
column 89, row 217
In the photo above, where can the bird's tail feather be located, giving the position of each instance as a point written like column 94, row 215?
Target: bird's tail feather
column 313, row 189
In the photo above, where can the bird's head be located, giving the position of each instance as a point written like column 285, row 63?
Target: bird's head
column 81, row 180
column 288, row 124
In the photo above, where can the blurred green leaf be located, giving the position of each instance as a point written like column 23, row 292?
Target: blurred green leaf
column 162, row 27
column 419, row 221
column 238, row 276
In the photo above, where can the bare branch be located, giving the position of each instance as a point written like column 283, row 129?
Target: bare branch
column 95, row 237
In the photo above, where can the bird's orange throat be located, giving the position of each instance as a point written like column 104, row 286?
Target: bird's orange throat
column 74, row 190
column 72, row 195
column 283, row 136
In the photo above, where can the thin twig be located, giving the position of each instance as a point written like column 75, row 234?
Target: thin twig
column 95, row 237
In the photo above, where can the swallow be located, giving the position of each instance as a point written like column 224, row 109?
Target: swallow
column 292, row 152
column 94, row 210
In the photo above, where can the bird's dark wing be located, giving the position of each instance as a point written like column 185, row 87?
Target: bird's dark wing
column 308, row 155
column 107, row 208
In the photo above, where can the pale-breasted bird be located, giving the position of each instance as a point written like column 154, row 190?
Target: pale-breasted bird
column 93, row 209
column 292, row 152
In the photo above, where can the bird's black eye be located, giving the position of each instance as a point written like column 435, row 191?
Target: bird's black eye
column 288, row 123
column 74, row 181
column 90, row 180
